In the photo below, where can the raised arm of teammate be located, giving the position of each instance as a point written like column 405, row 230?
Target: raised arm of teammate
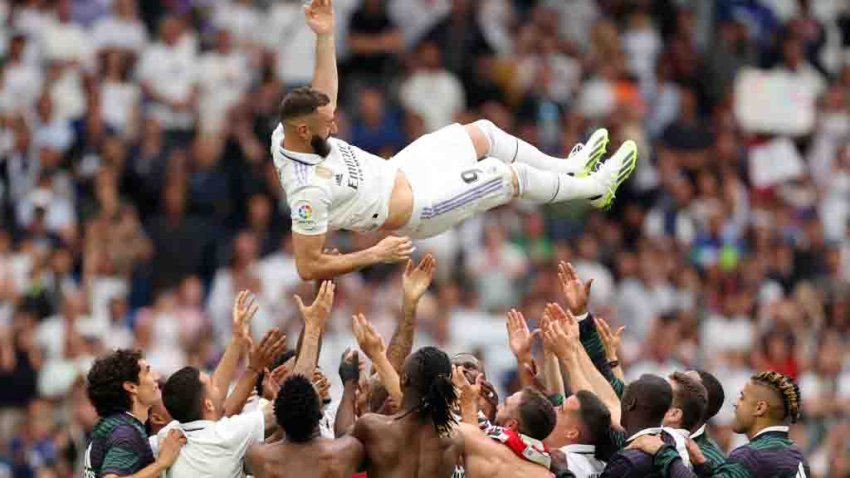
column 562, row 337
column 320, row 18
column 314, row 318
column 372, row 344
column 414, row 283
column 244, row 309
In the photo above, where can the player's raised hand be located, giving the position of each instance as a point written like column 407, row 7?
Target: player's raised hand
column 611, row 340
column 320, row 16
column 575, row 291
column 519, row 338
column 394, row 249
column 370, row 342
column 564, row 317
column 559, row 340
column 466, row 391
column 317, row 313
column 349, row 366
column 270, row 348
column 244, row 309
column 416, row 280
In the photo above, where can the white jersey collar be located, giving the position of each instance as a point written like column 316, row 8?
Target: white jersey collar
column 645, row 431
column 699, row 431
column 579, row 448
column 304, row 158
column 771, row 429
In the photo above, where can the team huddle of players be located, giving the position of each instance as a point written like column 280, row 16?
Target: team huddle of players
column 424, row 414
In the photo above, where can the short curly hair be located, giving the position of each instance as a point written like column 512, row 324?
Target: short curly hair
column 105, row 381
column 297, row 408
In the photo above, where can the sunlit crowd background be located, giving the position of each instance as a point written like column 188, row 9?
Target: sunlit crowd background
column 138, row 194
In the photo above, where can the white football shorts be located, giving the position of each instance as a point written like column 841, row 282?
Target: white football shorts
column 449, row 184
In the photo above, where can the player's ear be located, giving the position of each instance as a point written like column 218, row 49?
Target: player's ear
column 761, row 408
column 209, row 406
column 303, row 131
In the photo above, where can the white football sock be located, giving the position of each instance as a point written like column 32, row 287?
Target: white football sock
column 512, row 150
column 549, row 187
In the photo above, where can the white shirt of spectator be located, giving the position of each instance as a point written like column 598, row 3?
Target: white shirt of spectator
column 582, row 462
column 115, row 32
column 171, row 72
column 21, row 86
column 243, row 21
column 349, row 189
column 436, row 96
column 66, row 42
column 121, row 101
column 295, row 43
column 215, row 448
column 222, row 79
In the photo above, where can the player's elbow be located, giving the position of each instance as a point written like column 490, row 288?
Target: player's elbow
column 306, row 272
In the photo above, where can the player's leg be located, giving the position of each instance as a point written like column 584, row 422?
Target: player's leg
column 599, row 187
column 491, row 141
column 454, row 196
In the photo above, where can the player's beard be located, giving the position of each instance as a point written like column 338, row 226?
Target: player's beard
column 320, row 145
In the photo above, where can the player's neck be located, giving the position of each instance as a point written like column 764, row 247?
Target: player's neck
column 139, row 412
column 760, row 425
column 295, row 144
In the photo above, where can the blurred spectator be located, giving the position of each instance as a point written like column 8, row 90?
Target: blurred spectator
column 223, row 77
column 378, row 126
column 497, row 269
column 375, row 41
column 22, row 79
column 431, row 91
column 122, row 30
column 168, row 76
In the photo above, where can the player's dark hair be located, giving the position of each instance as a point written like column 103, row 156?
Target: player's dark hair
column 183, row 394
column 716, row 395
column 647, row 399
column 301, row 102
column 536, row 414
column 105, row 381
column 689, row 396
column 297, row 408
column 596, row 419
column 428, row 373
column 787, row 389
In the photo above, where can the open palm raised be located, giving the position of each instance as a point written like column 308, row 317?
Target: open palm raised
column 320, row 16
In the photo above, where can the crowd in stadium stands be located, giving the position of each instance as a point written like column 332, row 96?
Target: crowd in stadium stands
column 138, row 198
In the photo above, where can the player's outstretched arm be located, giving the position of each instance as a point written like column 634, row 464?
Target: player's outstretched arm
column 320, row 18
column 415, row 283
column 314, row 317
column 314, row 263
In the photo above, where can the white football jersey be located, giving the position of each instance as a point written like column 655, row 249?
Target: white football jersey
column 349, row 189
column 582, row 462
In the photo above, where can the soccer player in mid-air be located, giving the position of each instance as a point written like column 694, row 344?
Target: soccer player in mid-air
column 433, row 184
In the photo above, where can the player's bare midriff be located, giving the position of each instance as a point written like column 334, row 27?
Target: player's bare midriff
column 401, row 204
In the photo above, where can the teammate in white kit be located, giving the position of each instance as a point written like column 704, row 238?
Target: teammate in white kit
column 431, row 185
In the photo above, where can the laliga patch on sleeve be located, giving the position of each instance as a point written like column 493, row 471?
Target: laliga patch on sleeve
column 304, row 215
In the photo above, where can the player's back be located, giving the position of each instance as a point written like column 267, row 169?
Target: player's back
column 407, row 447
column 320, row 458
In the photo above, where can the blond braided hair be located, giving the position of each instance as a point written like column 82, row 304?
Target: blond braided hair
column 787, row 389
